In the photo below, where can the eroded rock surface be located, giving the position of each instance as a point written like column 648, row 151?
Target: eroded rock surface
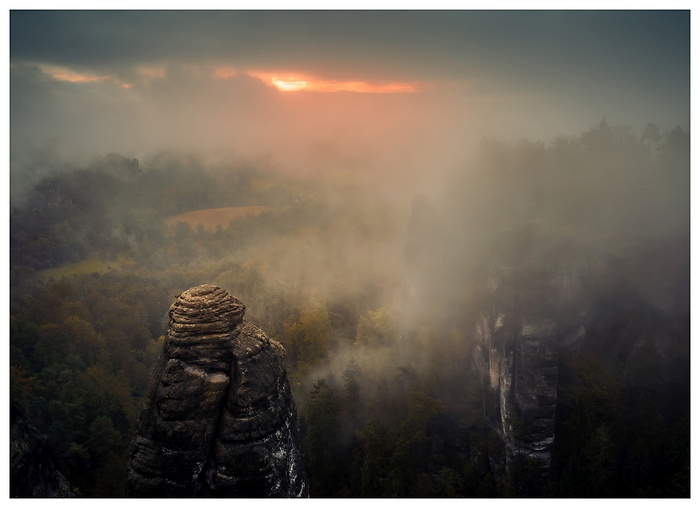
column 33, row 471
column 535, row 390
column 220, row 419
column 519, row 366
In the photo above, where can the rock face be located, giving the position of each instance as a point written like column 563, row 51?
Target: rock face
column 32, row 466
column 534, row 395
column 519, row 368
column 220, row 420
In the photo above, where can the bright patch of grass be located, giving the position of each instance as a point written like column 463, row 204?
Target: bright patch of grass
column 94, row 263
column 212, row 217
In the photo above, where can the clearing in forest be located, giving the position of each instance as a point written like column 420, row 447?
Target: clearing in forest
column 211, row 217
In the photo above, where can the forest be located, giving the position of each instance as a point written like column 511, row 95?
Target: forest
column 375, row 295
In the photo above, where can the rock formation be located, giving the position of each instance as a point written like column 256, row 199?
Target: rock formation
column 534, row 391
column 220, row 420
column 519, row 367
column 519, row 342
column 33, row 471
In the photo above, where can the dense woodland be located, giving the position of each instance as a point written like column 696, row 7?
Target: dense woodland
column 389, row 402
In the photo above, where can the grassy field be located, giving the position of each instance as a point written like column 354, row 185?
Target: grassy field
column 211, row 217
column 92, row 264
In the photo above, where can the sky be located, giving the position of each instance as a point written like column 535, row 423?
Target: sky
column 336, row 92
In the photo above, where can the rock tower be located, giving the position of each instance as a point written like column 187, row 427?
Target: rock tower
column 219, row 420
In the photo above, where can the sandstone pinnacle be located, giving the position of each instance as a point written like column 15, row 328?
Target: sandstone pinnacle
column 219, row 419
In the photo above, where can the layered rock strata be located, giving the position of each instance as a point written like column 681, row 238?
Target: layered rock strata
column 220, row 420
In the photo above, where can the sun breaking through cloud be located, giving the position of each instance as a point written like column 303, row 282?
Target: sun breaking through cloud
column 296, row 83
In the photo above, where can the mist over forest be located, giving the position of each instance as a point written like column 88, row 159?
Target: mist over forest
column 374, row 294
column 482, row 284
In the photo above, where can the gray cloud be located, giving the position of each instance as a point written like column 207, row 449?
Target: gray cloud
column 534, row 74
column 418, row 43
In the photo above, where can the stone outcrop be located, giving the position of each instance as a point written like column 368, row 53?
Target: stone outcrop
column 33, row 471
column 220, row 420
column 534, row 394
column 520, row 370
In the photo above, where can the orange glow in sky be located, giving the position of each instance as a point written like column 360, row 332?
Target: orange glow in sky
column 290, row 85
column 71, row 76
column 63, row 74
column 309, row 84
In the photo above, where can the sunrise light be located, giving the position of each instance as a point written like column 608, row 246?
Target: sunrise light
column 64, row 74
column 71, row 76
column 290, row 85
column 296, row 83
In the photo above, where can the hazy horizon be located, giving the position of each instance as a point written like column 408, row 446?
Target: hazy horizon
column 403, row 93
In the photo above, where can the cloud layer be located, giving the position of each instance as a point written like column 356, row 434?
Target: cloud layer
column 407, row 88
